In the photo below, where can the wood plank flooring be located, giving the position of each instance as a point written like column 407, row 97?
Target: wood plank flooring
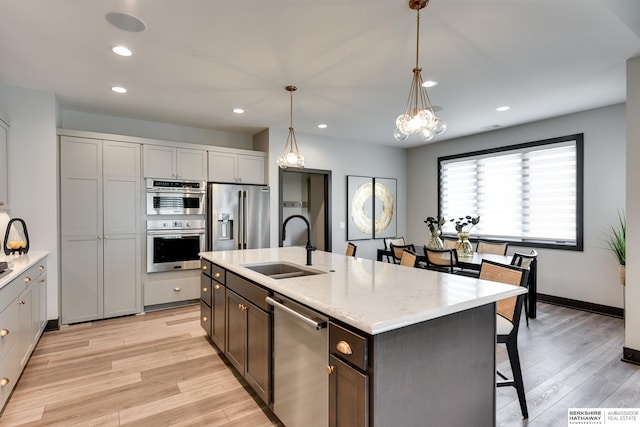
column 159, row 370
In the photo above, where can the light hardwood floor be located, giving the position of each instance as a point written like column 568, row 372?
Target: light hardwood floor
column 159, row 370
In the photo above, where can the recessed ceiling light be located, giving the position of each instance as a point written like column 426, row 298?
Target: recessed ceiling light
column 322, row 126
column 119, row 89
column 121, row 50
column 503, row 108
column 430, row 83
column 126, row 22
column 238, row 110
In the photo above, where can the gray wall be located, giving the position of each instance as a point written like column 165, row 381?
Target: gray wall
column 343, row 158
column 33, row 168
column 632, row 299
column 591, row 275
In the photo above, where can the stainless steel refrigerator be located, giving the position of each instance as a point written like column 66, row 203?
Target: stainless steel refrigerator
column 237, row 216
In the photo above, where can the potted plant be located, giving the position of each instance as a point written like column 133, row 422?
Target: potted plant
column 463, row 227
column 435, row 228
column 617, row 244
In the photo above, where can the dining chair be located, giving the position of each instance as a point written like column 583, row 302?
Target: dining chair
column 449, row 243
column 497, row 248
column 388, row 241
column 351, row 249
column 396, row 251
column 508, row 321
column 409, row 258
column 528, row 262
column 443, row 260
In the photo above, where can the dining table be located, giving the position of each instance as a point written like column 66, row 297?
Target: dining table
column 475, row 261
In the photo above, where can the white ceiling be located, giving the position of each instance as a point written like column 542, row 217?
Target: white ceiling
column 351, row 60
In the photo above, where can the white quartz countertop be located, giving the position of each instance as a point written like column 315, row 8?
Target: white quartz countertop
column 19, row 263
column 371, row 296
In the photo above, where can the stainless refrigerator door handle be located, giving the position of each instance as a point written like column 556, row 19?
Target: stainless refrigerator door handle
column 245, row 209
column 240, row 223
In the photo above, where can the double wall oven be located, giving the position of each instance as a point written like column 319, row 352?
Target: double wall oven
column 176, row 224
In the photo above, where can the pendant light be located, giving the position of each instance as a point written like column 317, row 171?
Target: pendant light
column 291, row 157
column 418, row 117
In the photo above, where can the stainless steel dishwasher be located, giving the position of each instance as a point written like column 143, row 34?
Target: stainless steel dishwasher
column 300, row 357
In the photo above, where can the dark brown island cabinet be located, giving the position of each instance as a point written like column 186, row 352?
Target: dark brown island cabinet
column 439, row 372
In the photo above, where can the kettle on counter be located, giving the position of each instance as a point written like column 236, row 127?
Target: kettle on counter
column 16, row 241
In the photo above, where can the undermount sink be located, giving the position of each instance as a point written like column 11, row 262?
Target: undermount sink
column 282, row 270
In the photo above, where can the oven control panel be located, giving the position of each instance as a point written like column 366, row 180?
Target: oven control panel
column 180, row 224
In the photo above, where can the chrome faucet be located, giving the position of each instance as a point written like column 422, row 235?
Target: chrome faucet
column 309, row 247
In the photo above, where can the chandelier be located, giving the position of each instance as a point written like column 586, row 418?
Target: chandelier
column 291, row 157
column 418, row 117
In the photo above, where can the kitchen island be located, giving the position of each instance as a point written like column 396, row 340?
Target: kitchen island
column 427, row 338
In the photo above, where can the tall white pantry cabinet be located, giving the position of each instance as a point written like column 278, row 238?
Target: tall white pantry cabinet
column 101, row 229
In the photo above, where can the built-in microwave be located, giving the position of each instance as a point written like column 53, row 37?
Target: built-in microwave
column 176, row 197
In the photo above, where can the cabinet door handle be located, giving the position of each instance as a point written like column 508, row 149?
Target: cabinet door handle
column 106, row 236
column 99, row 237
column 41, row 267
column 204, row 267
column 177, row 289
column 43, row 280
column 217, row 275
column 217, row 287
column 344, row 347
column 4, row 381
column 22, row 302
column 205, row 318
column 27, row 279
column 205, row 289
column 329, row 369
column 4, row 332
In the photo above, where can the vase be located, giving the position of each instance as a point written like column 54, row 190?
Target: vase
column 434, row 241
column 463, row 245
column 622, row 271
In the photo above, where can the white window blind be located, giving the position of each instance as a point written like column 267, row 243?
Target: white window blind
column 528, row 194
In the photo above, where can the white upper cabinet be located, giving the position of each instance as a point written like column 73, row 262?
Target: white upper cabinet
column 4, row 166
column 174, row 163
column 236, row 168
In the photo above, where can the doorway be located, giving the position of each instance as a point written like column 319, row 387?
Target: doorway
column 305, row 192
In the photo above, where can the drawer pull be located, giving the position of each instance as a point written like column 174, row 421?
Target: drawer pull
column 217, row 275
column 27, row 279
column 204, row 267
column 177, row 289
column 41, row 267
column 43, row 280
column 4, row 382
column 329, row 369
column 205, row 289
column 4, row 332
column 216, row 287
column 344, row 347
column 205, row 318
column 22, row 302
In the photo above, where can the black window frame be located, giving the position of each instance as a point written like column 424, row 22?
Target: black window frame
column 579, row 214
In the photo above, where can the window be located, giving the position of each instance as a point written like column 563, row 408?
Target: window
column 528, row 194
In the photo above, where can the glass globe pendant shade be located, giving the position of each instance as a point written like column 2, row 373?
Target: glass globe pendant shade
column 399, row 136
column 440, row 126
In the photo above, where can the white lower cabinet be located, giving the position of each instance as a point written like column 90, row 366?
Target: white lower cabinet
column 171, row 290
column 22, row 320
column 101, row 223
